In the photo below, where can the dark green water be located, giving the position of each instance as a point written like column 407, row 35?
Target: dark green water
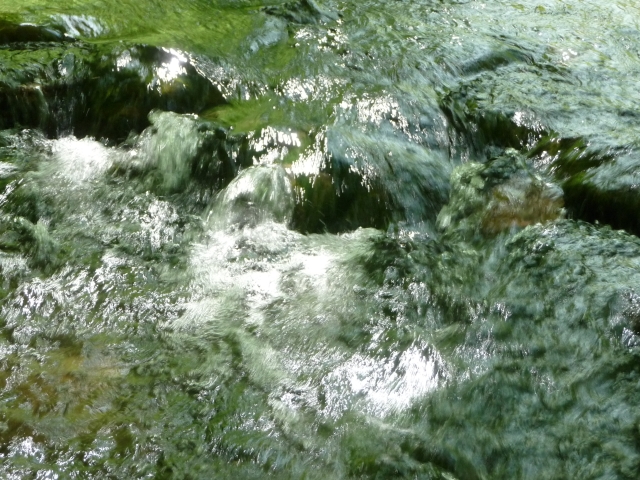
column 300, row 240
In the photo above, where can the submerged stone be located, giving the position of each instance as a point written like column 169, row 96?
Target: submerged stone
column 12, row 33
column 139, row 340
column 356, row 180
column 542, row 324
column 600, row 185
column 98, row 90
column 608, row 193
column 302, row 11
column 576, row 123
column 503, row 194
column 177, row 151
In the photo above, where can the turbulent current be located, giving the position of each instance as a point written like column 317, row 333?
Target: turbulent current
column 332, row 239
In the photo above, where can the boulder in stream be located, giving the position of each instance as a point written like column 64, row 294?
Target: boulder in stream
column 106, row 91
column 577, row 124
column 351, row 179
column 497, row 196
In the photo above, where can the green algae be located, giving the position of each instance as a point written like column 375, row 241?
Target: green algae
column 306, row 239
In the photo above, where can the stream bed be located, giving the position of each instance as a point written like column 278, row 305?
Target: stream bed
column 367, row 239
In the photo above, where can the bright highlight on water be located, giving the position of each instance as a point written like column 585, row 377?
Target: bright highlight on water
column 319, row 240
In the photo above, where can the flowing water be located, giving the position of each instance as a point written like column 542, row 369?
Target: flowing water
column 334, row 239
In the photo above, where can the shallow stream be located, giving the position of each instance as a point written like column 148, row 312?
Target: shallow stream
column 319, row 240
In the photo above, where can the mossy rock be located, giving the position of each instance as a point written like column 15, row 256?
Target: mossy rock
column 503, row 194
column 70, row 87
column 600, row 184
column 349, row 179
column 13, row 33
column 302, row 12
column 176, row 151
column 577, row 124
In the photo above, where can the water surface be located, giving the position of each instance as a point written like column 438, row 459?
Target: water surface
column 244, row 239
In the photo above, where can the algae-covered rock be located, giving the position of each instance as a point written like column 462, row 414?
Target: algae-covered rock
column 565, row 103
column 178, row 150
column 350, row 179
column 100, row 90
column 302, row 11
column 600, row 185
column 503, row 194
column 575, row 121
column 13, row 33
